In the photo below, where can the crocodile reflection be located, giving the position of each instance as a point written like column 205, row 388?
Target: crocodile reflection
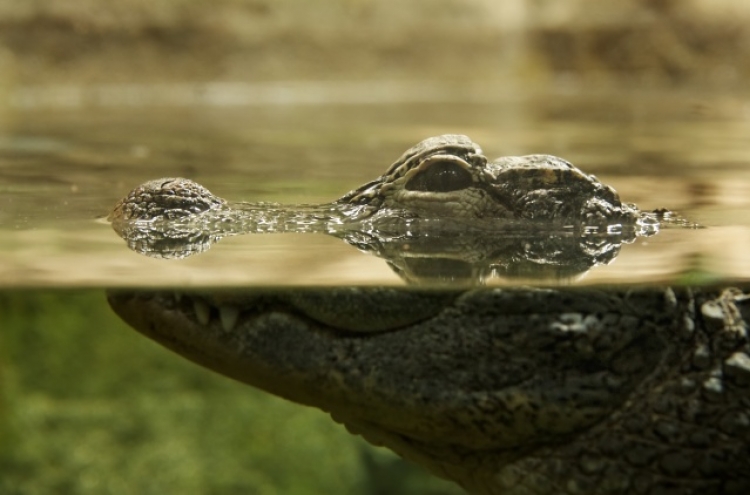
column 426, row 259
column 442, row 213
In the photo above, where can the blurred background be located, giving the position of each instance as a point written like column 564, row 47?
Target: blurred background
column 292, row 100
column 635, row 41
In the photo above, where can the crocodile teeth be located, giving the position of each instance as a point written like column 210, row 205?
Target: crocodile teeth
column 228, row 316
column 202, row 311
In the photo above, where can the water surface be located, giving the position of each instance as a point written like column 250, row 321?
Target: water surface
column 65, row 160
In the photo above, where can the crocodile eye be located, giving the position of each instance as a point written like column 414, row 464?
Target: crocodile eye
column 441, row 176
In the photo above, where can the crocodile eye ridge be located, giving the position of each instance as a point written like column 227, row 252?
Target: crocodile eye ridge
column 441, row 176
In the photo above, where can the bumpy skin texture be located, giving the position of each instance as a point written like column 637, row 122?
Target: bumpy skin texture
column 522, row 391
column 167, row 199
column 532, row 187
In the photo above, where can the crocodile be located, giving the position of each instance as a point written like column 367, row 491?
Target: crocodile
column 502, row 390
column 441, row 177
column 536, row 215
column 443, row 185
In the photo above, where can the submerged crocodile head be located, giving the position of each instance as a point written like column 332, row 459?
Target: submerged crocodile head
column 511, row 391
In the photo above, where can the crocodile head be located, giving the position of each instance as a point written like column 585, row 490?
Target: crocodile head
column 476, row 386
column 443, row 177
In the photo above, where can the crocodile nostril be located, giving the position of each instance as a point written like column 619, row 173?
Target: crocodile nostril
column 441, row 176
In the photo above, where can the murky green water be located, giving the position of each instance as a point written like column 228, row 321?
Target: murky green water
column 64, row 161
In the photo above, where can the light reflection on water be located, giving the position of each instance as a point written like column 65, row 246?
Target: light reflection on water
column 62, row 169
